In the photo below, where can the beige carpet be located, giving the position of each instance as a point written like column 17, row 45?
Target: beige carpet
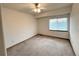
column 42, row 46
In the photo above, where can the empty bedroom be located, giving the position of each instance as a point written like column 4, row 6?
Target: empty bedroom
column 39, row 29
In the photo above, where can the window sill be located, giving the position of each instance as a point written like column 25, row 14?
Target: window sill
column 59, row 30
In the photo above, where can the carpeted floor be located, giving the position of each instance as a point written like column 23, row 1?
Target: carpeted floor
column 42, row 46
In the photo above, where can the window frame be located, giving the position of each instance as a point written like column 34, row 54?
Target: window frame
column 61, row 16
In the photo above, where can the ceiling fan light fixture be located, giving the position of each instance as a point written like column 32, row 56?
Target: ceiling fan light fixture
column 37, row 9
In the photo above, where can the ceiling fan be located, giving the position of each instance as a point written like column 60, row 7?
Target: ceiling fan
column 37, row 8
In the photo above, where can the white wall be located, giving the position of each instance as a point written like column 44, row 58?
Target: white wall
column 2, row 44
column 43, row 28
column 74, row 28
column 43, row 22
column 17, row 26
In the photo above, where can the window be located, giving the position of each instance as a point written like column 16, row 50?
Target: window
column 60, row 24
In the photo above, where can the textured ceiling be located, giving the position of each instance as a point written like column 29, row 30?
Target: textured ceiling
column 28, row 7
